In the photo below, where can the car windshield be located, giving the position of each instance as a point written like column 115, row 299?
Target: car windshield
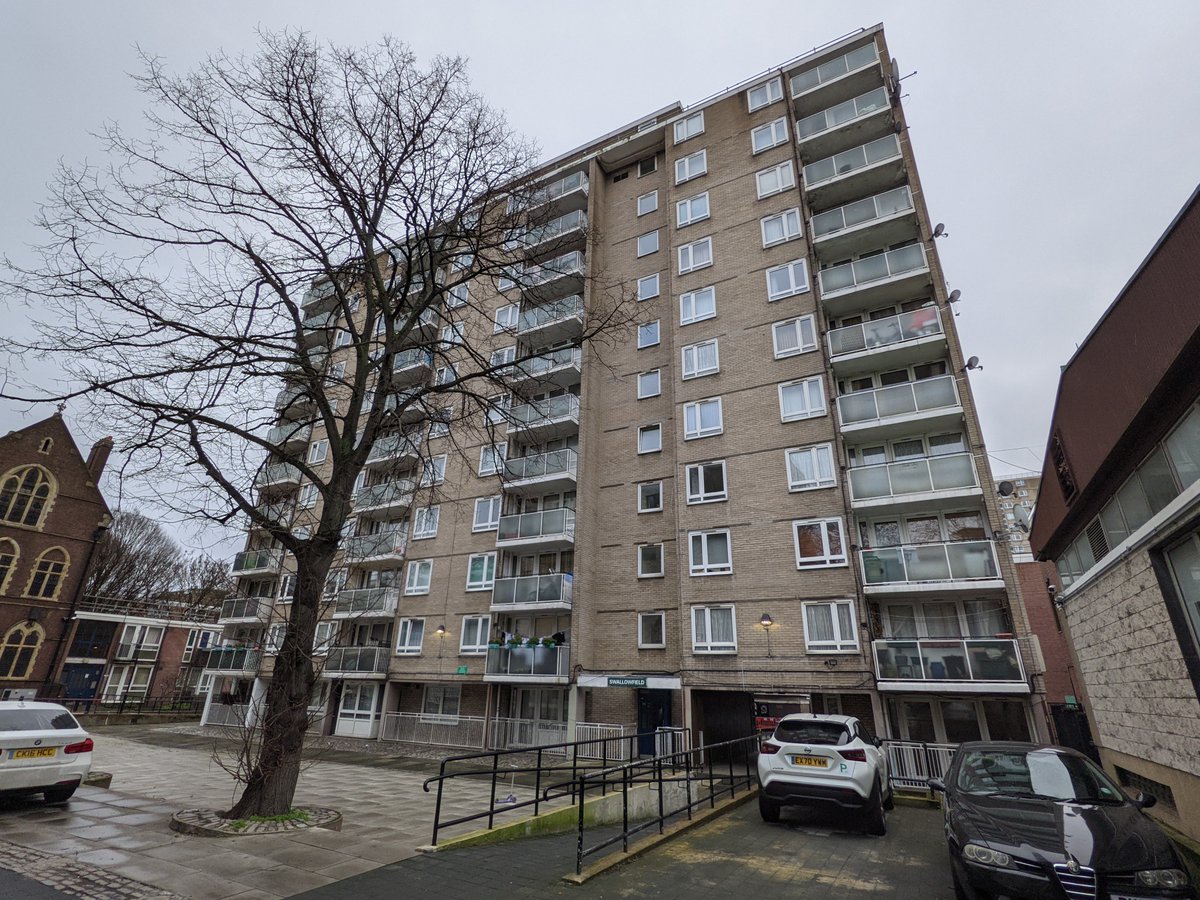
column 1039, row 774
column 36, row 720
column 812, row 732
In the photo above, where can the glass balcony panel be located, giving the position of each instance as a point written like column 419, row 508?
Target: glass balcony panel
column 407, row 359
column 243, row 608
column 558, row 311
column 539, row 411
column 858, row 407
column 546, row 523
column 533, row 661
column 252, row 560
column 870, row 483
column 927, row 562
column 996, row 660
column 896, row 400
column 934, row 393
column 386, row 494
column 951, row 472
column 910, row 477
column 834, row 68
column 555, row 462
column 898, row 660
column 972, row 559
column 547, row 362
column 884, row 565
column 935, row 659
column 842, row 113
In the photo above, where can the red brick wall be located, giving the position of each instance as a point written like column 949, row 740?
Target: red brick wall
column 1044, row 622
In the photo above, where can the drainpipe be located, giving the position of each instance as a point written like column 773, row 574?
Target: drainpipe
column 78, row 595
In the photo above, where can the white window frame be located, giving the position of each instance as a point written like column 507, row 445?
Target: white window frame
column 647, row 287
column 691, row 166
column 439, row 422
column 404, row 636
column 644, row 391
column 435, row 465
column 690, row 371
column 418, row 577
column 441, row 692
column 662, row 562
column 776, row 133
column 811, row 412
column 776, row 179
column 497, row 408
column 489, row 572
column 483, row 625
column 695, row 498
column 696, row 408
column 502, row 357
column 646, row 430
column 506, row 318
column 643, row 644
column 647, row 203
column 793, row 227
column 683, row 211
column 642, row 344
column 491, row 458
column 828, row 560
column 649, row 509
column 307, row 498
column 702, row 568
column 643, row 171
column 689, row 127
column 425, row 522
column 457, row 295
column 814, row 452
column 495, row 503
column 797, row 326
column 797, row 276
column 643, row 243
column 841, row 643
column 773, row 93
column 709, row 646
column 687, row 301
column 443, row 375
column 318, row 452
column 688, row 252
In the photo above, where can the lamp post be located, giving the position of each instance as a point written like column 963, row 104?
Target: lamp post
column 766, row 622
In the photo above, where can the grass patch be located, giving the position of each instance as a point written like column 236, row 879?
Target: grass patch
column 293, row 815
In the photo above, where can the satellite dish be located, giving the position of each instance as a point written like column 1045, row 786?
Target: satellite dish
column 939, row 229
column 973, row 363
column 954, row 297
column 895, row 75
column 1022, row 518
column 1005, row 488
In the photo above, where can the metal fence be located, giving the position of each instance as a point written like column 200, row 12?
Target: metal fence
column 128, row 703
column 912, row 763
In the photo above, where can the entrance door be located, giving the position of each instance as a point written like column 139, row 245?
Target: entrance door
column 80, row 680
column 356, row 715
column 654, row 711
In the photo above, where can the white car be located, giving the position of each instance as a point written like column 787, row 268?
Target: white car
column 824, row 761
column 43, row 750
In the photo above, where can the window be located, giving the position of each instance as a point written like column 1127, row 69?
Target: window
column 433, row 471
column 496, row 411
column 787, row 280
column 775, row 180
column 801, row 399
column 650, row 561
column 810, row 467
column 25, row 495
column 650, row 497
column 647, row 166
column 781, row 228
column 702, row 419
column 794, row 336
column 764, row 137
column 342, row 338
column 481, row 571
column 308, row 496
column 9, row 554
column 491, row 458
column 409, row 640
column 452, row 334
column 420, row 573
column 649, row 384
column 474, row 637
column 456, row 296
column 696, row 255
column 650, row 439
column 20, row 649
column 506, row 318
column 819, row 543
column 47, row 575
column 439, row 421
column 425, row 524
column 502, row 357
column 652, row 630
column 46, row 446
column 647, row 287
column 441, row 702
column 764, row 94
column 274, row 641
column 829, row 627
column 692, row 166
column 706, row 482
column 287, row 588
column 647, row 335
column 696, row 306
column 487, row 514
column 689, row 127
column 444, row 375
column 695, row 209
column 647, row 203
column 318, row 451
column 709, row 553
column 647, row 243
column 713, row 630
column 701, row 359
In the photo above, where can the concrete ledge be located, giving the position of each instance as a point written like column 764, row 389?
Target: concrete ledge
column 210, row 823
column 98, row 779
column 920, row 801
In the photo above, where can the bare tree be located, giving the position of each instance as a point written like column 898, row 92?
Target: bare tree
column 174, row 285
column 204, row 585
column 136, row 561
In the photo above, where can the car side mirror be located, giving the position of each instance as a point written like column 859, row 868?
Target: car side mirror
column 878, row 742
column 1144, row 801
column 937, row 785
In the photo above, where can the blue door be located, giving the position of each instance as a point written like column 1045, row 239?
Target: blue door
column 81, row 680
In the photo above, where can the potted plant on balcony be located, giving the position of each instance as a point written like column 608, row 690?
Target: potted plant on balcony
column 548, row 642
column 515, row 640
column 533, row 642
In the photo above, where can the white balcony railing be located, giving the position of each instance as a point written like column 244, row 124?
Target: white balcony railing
column 552, row 464
column 531, row 527
column 546, row 363
column 573, row 221
column 388, row 494
column 952, row 472
column 277, row 474
column 896, row 400
column 356, row 660
column 434, row 730
column 862, row 212
column 849, row 161
column 533, row 590
column 920, row 564
column 538, row 317
column 239, row 608
column 858, row 58
column 948, row 659
column 248, row 561
column 877, row 334
column 836, row 116
column 395, row 446
column 564, row 407
column 567, row 264
column 376, row 601
column 373, row 546
column 912, row 763
column 233, row 659
column 549, row 662
column 412, row 360
column 289, row 433
column 870, row 269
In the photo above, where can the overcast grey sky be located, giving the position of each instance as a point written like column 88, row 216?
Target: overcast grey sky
column 1056, row 141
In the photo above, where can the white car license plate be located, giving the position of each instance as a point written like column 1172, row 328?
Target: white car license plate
column 816, row 762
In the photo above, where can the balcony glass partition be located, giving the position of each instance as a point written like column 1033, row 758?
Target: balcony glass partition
column 366, row 546
column 861, row 212
column 877, row 333
column 257, row 560
column 244, row 608
column 233, row 659
column 532, row 590
column 546, row 523
column 898, row 400
column 869, row 269
column 537, row 317
column 357, row 660
column 391, row 493
column 858, row 58
column 942, row 659
column 540, row 465
column 409, row 359
column 863, row 105
column 549, row 362
column 366, row 601
column 539, row 411
column 919, row 563
column 550, row 662
column 913, row 476
column 851, row 160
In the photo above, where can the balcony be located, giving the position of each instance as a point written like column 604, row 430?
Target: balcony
column 233, row 659
column 533, row 664
column 135, row 652
column 561, row 367
column 423, row 328
column 552, row 471
column 321, row 293
column 318, row 327
column 532, row 592
column 972, row 665
column 389, row 497
column 383, row 550
column 280, row 513
column 367, row 603
column 866, row 169
column 290, row 435
column 965, row 565
column 927, row 483
column 889, row 343
column 843, row 76
column 874, row 280
column 565, row 228
column 411, row 366
column 293, row 402
column 567, row 193
column 547, row 529
column 892, row 411
column 544, row 420
column 415, row 410
column 347, row 662
column 277, row 475
column 244, row 609
column 396, row 451
column 860, row 120
column 258, row 562
column 880, row 220
column 560, row 320
column 558, row 277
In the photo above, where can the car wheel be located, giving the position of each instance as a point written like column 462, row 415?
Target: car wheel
column 876, row 817
column 59, row 795
column 768, row 809
column 960, row 893
column 889, row 802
